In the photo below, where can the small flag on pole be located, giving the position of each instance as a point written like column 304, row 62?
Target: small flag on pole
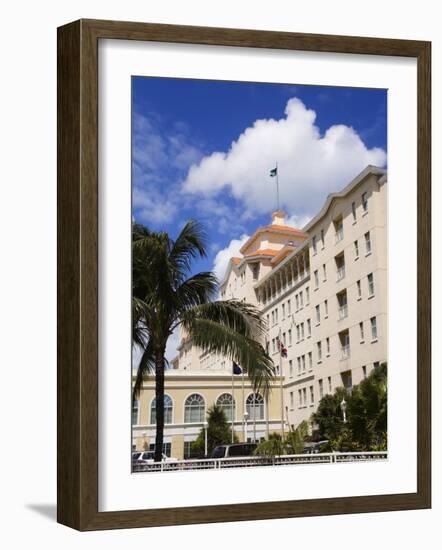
column 274, row 172
column 236, row 369
column 282, row 348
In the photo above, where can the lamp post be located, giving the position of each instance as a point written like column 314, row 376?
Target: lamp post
column 246, row 416
column 205, row 425
column 344, row 410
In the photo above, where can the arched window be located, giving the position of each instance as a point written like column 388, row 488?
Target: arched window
column 194, row 408
column 167, row 410
column 255, row 406
column 135, row 407
column 227, row 404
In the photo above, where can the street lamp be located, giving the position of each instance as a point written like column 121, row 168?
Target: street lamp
column 205, row 425
column 246, row 416
column 344, row 410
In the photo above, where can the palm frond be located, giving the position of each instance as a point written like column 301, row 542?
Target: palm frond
column 190, row 244
column 145, row 366
column 214, row 337
column 195, row 291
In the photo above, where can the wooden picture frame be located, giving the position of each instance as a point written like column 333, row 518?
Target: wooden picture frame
column 77, row 461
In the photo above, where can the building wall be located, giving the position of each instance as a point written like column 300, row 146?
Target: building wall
column 320, row 358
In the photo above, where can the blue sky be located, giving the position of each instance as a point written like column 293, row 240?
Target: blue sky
column 204, row 149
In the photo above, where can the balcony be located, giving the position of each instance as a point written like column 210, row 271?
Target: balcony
column 343, row 312
column 340, row 273
column 345, row 352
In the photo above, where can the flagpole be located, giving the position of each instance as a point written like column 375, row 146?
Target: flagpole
column 281, row 385
column 243, row 405
column 277, row 188
column 232, row 408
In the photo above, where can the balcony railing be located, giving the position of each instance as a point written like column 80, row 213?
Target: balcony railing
column 339, row 235
column 345, row 351
column 343, row 312
column 340, row 273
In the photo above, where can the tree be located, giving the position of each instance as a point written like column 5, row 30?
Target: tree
column 273, row 446
column 166, row 296
column 218, row 432
column 296, row 438
column 366, row 426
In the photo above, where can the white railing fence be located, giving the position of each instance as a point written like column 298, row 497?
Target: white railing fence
column 250, row 461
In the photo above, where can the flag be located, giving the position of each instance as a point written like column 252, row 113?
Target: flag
column 236, row 369
column 282, row 348
column 274, row 172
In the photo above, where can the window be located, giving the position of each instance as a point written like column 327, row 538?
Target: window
column 347, row 381
column 356, row 247
column 276, row 315
column 376, row 364
column 312, row 395
column 326, row 308
column 292, row 401
column 268, row 320
column 302, row 331
column 299, row 365
column 344, row 339
column 297, row 302
column 339, row 229
column 310, row 360
column 291, row 368
column 370, row 284
column 135, row 410
column 364, row 202
column 353, row 210
column 374, row 328
column 194, row 408
column 321, row 389
column 327, row 343
column 227, row 404
column 255, row 406
column 299, row 398
column 361, row 330
column 359, row 290
column 283, row 338
column 273, row 345
column 289, row 307
column 324, row 272
column 314, row 244
column 340, row 267
column 298, row 333
column 283, row 311
column 319, row 348
column 304, row 395
column 342, row 305
column 318, row 314
column 307, row 295
column 367, row 243
column 167, row 410
column 301, row 299
column 290, row 336
column 309, row 328
column 255, row 270
column 329, row 385
column 364, row 371
column 322, row 239
column 303, row 363
column 316, row 278
column 190, row 451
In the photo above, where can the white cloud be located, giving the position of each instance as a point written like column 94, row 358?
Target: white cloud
column 298, row 221
column 310, row 165
column 172, row 344
column 222, row 258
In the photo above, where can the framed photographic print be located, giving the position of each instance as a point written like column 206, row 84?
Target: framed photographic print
column 243, row 275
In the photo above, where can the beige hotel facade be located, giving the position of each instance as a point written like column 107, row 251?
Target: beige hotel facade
column 322, row 290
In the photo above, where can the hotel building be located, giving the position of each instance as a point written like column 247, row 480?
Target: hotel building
column 322, row 290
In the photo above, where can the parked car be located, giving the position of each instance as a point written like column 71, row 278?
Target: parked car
column 234, row 450
column 314, row 448
column 147, row 457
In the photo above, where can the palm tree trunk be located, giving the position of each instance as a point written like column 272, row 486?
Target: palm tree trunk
column 159, row 404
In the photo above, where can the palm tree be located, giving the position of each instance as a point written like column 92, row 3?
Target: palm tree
column 165, row 296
